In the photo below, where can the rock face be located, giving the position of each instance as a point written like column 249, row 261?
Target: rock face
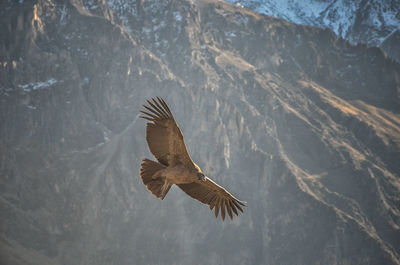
column 302, row 125
column 359, row 21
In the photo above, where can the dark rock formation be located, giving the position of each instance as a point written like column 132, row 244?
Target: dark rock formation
column 360, row 21
column 302, row 125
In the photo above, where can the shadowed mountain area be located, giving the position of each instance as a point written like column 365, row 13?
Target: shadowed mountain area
column 301, row 124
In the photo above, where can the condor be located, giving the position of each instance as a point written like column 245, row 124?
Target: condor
column 175, row 166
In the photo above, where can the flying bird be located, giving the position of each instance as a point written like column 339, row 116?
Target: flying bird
column 175, row 166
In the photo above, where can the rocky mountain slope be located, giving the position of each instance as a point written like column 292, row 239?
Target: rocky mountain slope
column 374, row 22
column 302, row 125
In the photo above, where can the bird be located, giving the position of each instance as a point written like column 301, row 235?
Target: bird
column 175, row 166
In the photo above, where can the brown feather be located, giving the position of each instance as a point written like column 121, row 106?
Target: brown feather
column 233, row 207
column 217, row 206
column 160, row 108
column 167, row 144
column 165, row 105
column 228, row 208
column 241, row 202
column 210, row 193
column 163, row 135
column 208, row 197
column 148, row 114
column 213, row 202
column 158, row 116
column 160, row 113
column 237, row 205
column 147, row 118
column 223, row 210
column 148, row 169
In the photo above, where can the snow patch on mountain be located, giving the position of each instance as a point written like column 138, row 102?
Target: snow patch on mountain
column 381, row 18
column 37, row 85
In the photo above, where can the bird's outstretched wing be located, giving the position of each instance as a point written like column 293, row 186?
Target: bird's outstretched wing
column 215, row 196
column 163, row 135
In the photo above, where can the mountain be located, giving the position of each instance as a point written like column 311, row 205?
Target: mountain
column 371, row 22
column 301, row 124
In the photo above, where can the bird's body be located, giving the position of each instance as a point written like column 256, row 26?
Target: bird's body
column 175, row 166
column 179, row 174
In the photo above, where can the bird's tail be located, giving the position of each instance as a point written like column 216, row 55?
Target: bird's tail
column 157, row 184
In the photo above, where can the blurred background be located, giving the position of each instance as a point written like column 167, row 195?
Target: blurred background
column 297, row 121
